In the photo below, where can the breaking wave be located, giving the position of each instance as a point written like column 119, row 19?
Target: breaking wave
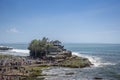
column 20, row 51
column 96, row 61
column 16, row 52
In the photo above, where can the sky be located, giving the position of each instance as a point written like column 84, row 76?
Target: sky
column 70, row 21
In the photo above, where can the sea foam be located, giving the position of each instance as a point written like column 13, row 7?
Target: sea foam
column 20, row 51
column 96, row 61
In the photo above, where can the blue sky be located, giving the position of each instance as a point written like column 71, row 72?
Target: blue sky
column 76, row 21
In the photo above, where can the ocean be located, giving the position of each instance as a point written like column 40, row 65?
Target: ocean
column 104, row 57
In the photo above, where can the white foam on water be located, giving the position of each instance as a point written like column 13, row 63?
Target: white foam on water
column 96, row 61
column 20, row 51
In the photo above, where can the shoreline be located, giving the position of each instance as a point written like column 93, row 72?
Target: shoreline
column 109, row 65
column 33, row 67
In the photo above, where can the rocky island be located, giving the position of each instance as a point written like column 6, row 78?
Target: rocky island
column 52, row 53
column 43, row 54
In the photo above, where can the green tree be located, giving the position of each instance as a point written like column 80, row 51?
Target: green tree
column 40, row 48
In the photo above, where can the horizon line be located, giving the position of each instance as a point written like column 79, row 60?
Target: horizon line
column 62, row 43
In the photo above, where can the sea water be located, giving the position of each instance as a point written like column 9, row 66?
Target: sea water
column 18, row 49
column 104, row 57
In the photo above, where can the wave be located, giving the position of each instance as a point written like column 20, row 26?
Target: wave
column 21, row 51
column 16, row 52
column 96, row 61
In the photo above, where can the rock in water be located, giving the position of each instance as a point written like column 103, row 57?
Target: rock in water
column 5, row 48
column 98, row 78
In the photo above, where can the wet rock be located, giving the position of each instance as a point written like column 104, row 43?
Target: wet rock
column 5, row 48
column 76, row 62
column 97, row 78
column 70, row 73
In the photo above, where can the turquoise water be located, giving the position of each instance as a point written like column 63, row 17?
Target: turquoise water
column 105, row 57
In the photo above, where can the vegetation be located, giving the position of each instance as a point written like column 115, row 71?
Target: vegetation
column 35, row 71
column 40, row 48
column 75, row 62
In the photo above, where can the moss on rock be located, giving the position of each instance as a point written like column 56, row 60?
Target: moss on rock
column 75, row 62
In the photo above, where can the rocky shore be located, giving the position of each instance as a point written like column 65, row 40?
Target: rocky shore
column 43, row 54
column 26, row 68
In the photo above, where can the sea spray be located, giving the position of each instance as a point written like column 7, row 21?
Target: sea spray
column 21, row 51
column 16, row 52
column 96, row 61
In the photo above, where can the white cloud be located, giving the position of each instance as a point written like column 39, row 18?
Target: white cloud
column 13, row 30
